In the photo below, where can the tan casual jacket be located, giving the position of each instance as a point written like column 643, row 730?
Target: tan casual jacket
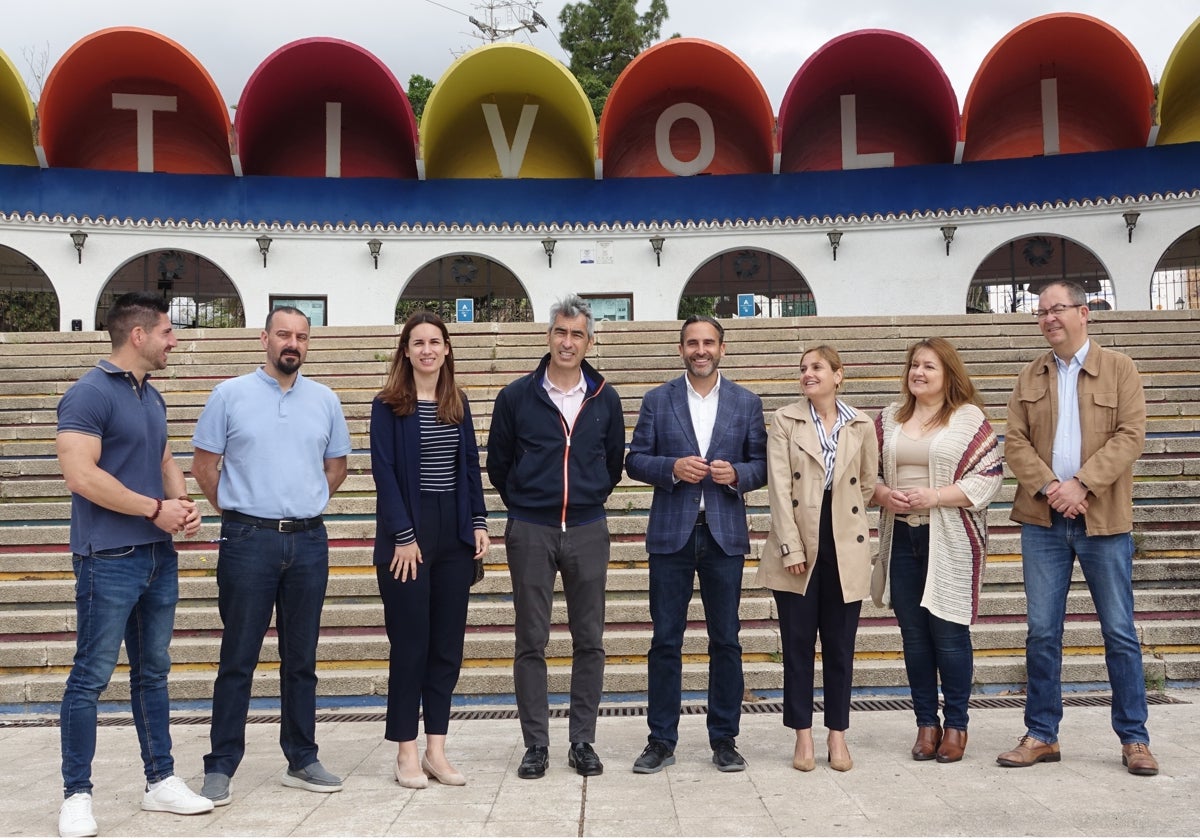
column 796, row 487
column 1112, row 420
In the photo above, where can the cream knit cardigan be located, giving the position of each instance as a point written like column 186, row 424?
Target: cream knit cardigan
column 967, row 453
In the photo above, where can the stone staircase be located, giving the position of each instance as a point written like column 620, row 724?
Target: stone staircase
column 36, row 584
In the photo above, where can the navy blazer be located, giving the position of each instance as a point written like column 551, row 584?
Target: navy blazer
column 396, row 467
column 664, row 433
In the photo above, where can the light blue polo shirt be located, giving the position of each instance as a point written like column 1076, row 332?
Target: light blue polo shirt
column 275, row 444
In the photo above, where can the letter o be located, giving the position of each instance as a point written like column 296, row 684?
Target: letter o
column 662, row 139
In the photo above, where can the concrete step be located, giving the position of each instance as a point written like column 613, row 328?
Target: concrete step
column 619, row 678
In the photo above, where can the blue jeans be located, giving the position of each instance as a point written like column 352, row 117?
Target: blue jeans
column 124, row 594
column 932, row 645
column 1047, row 558
column 671, row 583
column 259, row 571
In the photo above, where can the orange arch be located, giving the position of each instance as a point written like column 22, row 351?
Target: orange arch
column 282, row 123
column 695, row 71
column 904, row 104
column 1104, row 92
column 80, row 127
column 1179, row 91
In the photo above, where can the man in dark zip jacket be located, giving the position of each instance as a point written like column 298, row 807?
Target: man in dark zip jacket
column 554, row 453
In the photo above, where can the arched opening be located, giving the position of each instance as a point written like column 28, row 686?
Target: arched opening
column 779, row 290
column 495, row 292
column 28, row 302
column 1175, row 283
column 1010, row 278
column 200, row 293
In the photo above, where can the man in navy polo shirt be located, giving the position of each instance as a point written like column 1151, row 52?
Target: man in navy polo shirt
column 128, row 497
column 284, row 442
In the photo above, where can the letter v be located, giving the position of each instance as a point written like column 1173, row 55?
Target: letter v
column 509, row 159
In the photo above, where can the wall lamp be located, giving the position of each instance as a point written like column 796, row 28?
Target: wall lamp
column 656, row 242
column 835, row 239
column 78, row 238
column 548, row 244
column 948, row 235
column 375, row 245
column 264, row 245
column 1131, row 218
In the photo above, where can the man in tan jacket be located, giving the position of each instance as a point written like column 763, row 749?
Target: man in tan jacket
column 1076, row 424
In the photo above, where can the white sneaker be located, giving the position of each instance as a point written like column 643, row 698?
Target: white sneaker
column 75, row 817
column 173, row 795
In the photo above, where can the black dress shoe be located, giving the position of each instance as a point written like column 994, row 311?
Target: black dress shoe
column 726, row 757
column 584, row 759
column 655, row 757
column 535, row 762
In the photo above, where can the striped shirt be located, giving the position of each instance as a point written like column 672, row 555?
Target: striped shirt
column 829, row 440
column 439, row 460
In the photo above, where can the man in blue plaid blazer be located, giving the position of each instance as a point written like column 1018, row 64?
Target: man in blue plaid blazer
column 701, row 442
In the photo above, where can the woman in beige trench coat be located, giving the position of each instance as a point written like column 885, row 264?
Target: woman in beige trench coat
column 822, row 460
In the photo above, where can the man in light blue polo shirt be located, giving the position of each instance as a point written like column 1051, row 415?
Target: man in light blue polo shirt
column 284, row 442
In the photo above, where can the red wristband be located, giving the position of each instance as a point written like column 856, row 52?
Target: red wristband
column 157, row 510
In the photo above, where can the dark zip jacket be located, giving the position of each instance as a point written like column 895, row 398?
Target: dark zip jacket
column 549, row 474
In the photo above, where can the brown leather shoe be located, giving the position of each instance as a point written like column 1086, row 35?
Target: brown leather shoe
column 954, row 744
column 928, row 738
column 1029, row 751
column 1138, row 759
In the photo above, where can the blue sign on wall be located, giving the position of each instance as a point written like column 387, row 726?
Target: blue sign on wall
column 746, row 306
column 464, row 309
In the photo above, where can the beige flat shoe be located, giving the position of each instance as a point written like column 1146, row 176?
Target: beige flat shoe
column 453, row 777
column 414, row 782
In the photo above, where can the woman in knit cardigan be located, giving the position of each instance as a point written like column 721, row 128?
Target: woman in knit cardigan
column 941, row 467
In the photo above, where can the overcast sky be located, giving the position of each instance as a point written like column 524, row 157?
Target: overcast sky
column 773, row 37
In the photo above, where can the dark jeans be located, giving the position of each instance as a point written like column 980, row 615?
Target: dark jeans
column 124, row 594
column 932, row 645
column 426, row 620
column 536, row 554
column 259, row 571
column 672, row 580
column 1047, row 558
column 821, row 610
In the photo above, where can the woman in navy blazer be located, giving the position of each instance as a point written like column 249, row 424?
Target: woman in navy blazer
column 431, row 526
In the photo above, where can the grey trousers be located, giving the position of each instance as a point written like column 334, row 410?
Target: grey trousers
column 536, row 554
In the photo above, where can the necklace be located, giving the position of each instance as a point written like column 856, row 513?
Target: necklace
column 930, row 419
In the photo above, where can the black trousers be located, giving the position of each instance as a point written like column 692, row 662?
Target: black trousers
column 426, row 619
column 821, row 611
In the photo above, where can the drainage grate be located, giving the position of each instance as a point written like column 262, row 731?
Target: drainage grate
column 760, row 707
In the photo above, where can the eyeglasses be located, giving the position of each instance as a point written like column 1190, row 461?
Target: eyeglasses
column 1056, row 310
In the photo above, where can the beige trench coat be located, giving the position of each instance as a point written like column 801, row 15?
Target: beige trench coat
column 796, row 486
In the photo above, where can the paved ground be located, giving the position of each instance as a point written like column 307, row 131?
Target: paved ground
column 885, row 795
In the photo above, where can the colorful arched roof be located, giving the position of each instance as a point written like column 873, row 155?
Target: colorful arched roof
column 697, row 72
column 80, row 127
column 281, row 121
column 455, row 138
column 1179, row 91
column 1104, row 92
column 904, row 103
column 16, row 117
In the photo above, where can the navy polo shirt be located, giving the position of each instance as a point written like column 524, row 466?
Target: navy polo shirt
column 131, row 423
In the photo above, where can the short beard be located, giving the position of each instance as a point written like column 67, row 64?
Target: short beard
column 288, row 366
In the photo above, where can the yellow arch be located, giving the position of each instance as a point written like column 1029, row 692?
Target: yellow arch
column 16, row 117
column 455, row 138
column 1179, row 91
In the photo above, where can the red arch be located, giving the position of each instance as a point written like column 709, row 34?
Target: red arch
column 1104, row 91
column 687, row 70
column 80, row 128
column 281, row 122
column 905, row 104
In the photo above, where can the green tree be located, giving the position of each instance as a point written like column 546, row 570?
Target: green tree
column 602, row 37
column 25, row 311
column 418, row 92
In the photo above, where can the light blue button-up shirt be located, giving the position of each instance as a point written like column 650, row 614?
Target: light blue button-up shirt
column 1068, row 439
